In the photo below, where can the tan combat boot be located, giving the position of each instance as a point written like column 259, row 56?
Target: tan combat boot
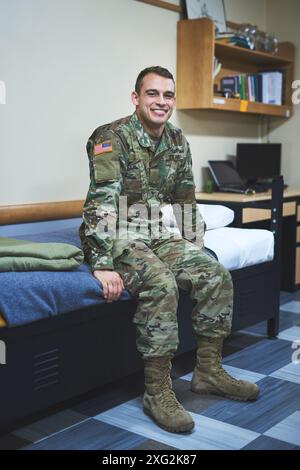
column 159, row 400
column 210, row 377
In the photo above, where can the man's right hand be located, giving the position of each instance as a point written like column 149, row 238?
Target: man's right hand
column 112, row 284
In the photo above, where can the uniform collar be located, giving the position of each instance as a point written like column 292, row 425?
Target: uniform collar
column 143, row 137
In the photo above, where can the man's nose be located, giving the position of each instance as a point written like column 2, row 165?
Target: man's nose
column 161, row 100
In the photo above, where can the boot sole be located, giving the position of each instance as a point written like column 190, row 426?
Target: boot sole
column 181, row 430
column 225, row 395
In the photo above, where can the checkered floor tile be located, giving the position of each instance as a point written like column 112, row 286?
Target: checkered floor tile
column 292, row 306
column 114, row 418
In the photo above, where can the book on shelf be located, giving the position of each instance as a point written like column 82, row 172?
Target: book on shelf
column 225, row 35
column 217, row 66
column 263, row 87
column 236, row 40
column 272, row 87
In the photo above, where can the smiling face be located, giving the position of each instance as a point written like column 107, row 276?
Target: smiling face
column 155, row 102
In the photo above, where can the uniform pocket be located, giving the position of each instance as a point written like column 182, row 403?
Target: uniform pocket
column 168, row 172
column 133, row 181
column 106, row 168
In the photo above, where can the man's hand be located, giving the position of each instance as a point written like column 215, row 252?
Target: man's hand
column 112, row 284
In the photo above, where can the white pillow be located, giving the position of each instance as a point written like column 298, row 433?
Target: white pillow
column 237, row 248
column 215, row 216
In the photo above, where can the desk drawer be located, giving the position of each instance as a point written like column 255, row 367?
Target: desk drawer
column 255, row 215
column 288, row 208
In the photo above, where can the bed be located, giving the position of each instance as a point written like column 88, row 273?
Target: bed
column 62, row 356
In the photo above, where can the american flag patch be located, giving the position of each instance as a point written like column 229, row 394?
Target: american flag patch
column 103, row 148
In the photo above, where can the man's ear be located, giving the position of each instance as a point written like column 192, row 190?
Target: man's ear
column 135, row 98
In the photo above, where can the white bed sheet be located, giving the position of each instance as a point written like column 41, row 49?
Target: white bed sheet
column 235, row 247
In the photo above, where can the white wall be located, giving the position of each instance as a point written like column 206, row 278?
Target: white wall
column 244, row 11
column 286, row 27
column 69, row 66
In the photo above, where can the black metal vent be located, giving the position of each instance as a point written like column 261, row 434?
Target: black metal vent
column 45, row 369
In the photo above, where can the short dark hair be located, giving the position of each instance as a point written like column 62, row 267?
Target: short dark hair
column 155, row 69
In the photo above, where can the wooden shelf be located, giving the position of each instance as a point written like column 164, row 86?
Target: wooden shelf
column 248, row 107
column 251, row 107
column 196, row 49
column 229, row 51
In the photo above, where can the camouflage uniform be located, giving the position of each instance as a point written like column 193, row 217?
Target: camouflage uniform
column 124, row 161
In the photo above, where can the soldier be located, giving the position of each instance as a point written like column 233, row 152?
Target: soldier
column 148, row 161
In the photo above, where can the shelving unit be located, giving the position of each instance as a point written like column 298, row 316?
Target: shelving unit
column 196, row 49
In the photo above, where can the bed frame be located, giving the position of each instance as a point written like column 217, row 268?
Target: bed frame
column 56, row 359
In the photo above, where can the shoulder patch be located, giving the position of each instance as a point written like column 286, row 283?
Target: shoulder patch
column 104, row 147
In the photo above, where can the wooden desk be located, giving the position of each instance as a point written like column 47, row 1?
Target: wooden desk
column 247, row 216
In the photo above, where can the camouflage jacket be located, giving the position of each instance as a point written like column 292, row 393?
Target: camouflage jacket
column 125, row 167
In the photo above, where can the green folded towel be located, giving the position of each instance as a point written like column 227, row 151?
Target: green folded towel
column 23, row 255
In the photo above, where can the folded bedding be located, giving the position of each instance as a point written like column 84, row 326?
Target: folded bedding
column 27, row 296
column 25, row 255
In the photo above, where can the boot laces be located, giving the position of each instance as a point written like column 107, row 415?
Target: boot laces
column 170, row 402
column 224, row 374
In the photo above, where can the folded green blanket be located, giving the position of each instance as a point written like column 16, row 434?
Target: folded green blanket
column 22, row 255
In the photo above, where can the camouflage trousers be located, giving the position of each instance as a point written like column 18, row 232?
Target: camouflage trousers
column 153, row 273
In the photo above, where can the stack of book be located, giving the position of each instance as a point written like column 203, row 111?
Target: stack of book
column 236, row 40
column 263, row 87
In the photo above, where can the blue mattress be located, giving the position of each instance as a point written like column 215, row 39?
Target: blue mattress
column 30, row 296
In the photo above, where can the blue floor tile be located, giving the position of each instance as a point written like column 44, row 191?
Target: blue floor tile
column 239, row 374
column 264, row 357
column 268, row 443
column 208, row 434
column 278, row 399
column 291, row 306
column 287, row 319
column 287, row 430
column 89, row 435
column 49, row 425
column 290, row 372
column 290, row 334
